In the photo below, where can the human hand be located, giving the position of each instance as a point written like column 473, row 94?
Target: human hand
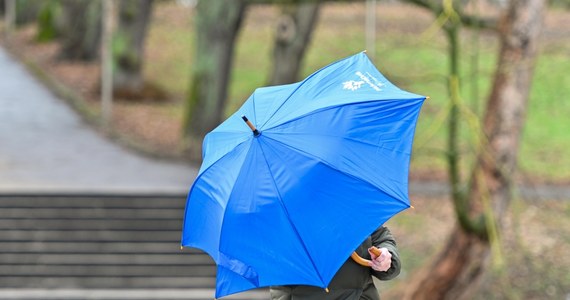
column 381, row 262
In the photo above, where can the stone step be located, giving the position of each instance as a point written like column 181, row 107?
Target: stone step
column 94, row 247
column 180, row 259
column 101, row 224
column 100, row 270
column 73, row 236
column 99, row 243
column 65, row 213
column 72, row 201
column 106, row 282
column 120, row 294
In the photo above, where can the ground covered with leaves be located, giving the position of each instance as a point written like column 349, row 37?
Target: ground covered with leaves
column 533, row 261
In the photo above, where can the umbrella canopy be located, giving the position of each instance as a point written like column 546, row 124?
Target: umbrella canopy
column 324, row 164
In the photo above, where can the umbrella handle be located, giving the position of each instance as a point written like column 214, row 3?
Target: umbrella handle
column 365, row 262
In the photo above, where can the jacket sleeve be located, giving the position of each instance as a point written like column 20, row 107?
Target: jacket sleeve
column 382, row 237
column 280, row 292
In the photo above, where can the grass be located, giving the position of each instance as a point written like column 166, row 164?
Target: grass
column 546, row 144
column 407, row 57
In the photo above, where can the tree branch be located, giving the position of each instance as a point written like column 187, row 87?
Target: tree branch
column 466, row 19
column 478, row 22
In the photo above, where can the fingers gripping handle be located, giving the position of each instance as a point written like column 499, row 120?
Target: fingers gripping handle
column 365, row 262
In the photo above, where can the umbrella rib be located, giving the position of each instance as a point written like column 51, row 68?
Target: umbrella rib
column 336, row 169
column 300, row 85
column 336, row 106
column 225, row 154
column 192, row 188
column 283, row 103
column 289, row 218
column 253, row 108
column 336, row 136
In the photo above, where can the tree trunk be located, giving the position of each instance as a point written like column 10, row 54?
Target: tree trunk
column 27, row 11
column 82, row 32
column 49, row 24
column 294, row 29
column 217, row 25
column 9, row 16
column 108, row 20
column 134, row 17
column 457, row 270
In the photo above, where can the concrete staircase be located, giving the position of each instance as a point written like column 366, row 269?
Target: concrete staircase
column 100, row 247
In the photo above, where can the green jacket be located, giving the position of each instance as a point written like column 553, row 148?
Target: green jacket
column 352, row 281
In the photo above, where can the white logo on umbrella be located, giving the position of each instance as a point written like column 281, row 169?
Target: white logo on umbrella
column 352, row 85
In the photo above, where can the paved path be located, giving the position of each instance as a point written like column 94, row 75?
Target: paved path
column 46, row 147
column 138, row 294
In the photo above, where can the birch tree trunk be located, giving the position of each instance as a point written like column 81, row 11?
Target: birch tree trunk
column 458, row 268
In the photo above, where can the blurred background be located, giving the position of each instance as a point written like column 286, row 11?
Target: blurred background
column 153, row 77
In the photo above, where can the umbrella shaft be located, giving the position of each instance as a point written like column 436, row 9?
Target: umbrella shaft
column 248, row 122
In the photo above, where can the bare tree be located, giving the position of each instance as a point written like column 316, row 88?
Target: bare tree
column 134, row 17
column 458, row 268
column 26, row 11
column 82, row 31
column 107, row 62
column 49, row 23
column 217, row 25
column 9, row 16
column 294, row 29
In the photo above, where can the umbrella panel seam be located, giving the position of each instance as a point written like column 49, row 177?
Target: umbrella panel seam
column 190, row 192
column 345, row 138
column 288, row 215
column 300, row 85
column 337, row 170
column 333, row 107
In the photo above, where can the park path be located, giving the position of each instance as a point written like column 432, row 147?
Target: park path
column 46, row 150
column 46, row 147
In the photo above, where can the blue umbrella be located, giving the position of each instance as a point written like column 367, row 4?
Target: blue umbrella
column 286, row 197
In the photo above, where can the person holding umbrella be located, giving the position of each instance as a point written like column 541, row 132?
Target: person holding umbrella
column 354, row 279
column 294, row 181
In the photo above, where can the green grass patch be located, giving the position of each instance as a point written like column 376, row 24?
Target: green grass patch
column 546, row 143
column 408, row 60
